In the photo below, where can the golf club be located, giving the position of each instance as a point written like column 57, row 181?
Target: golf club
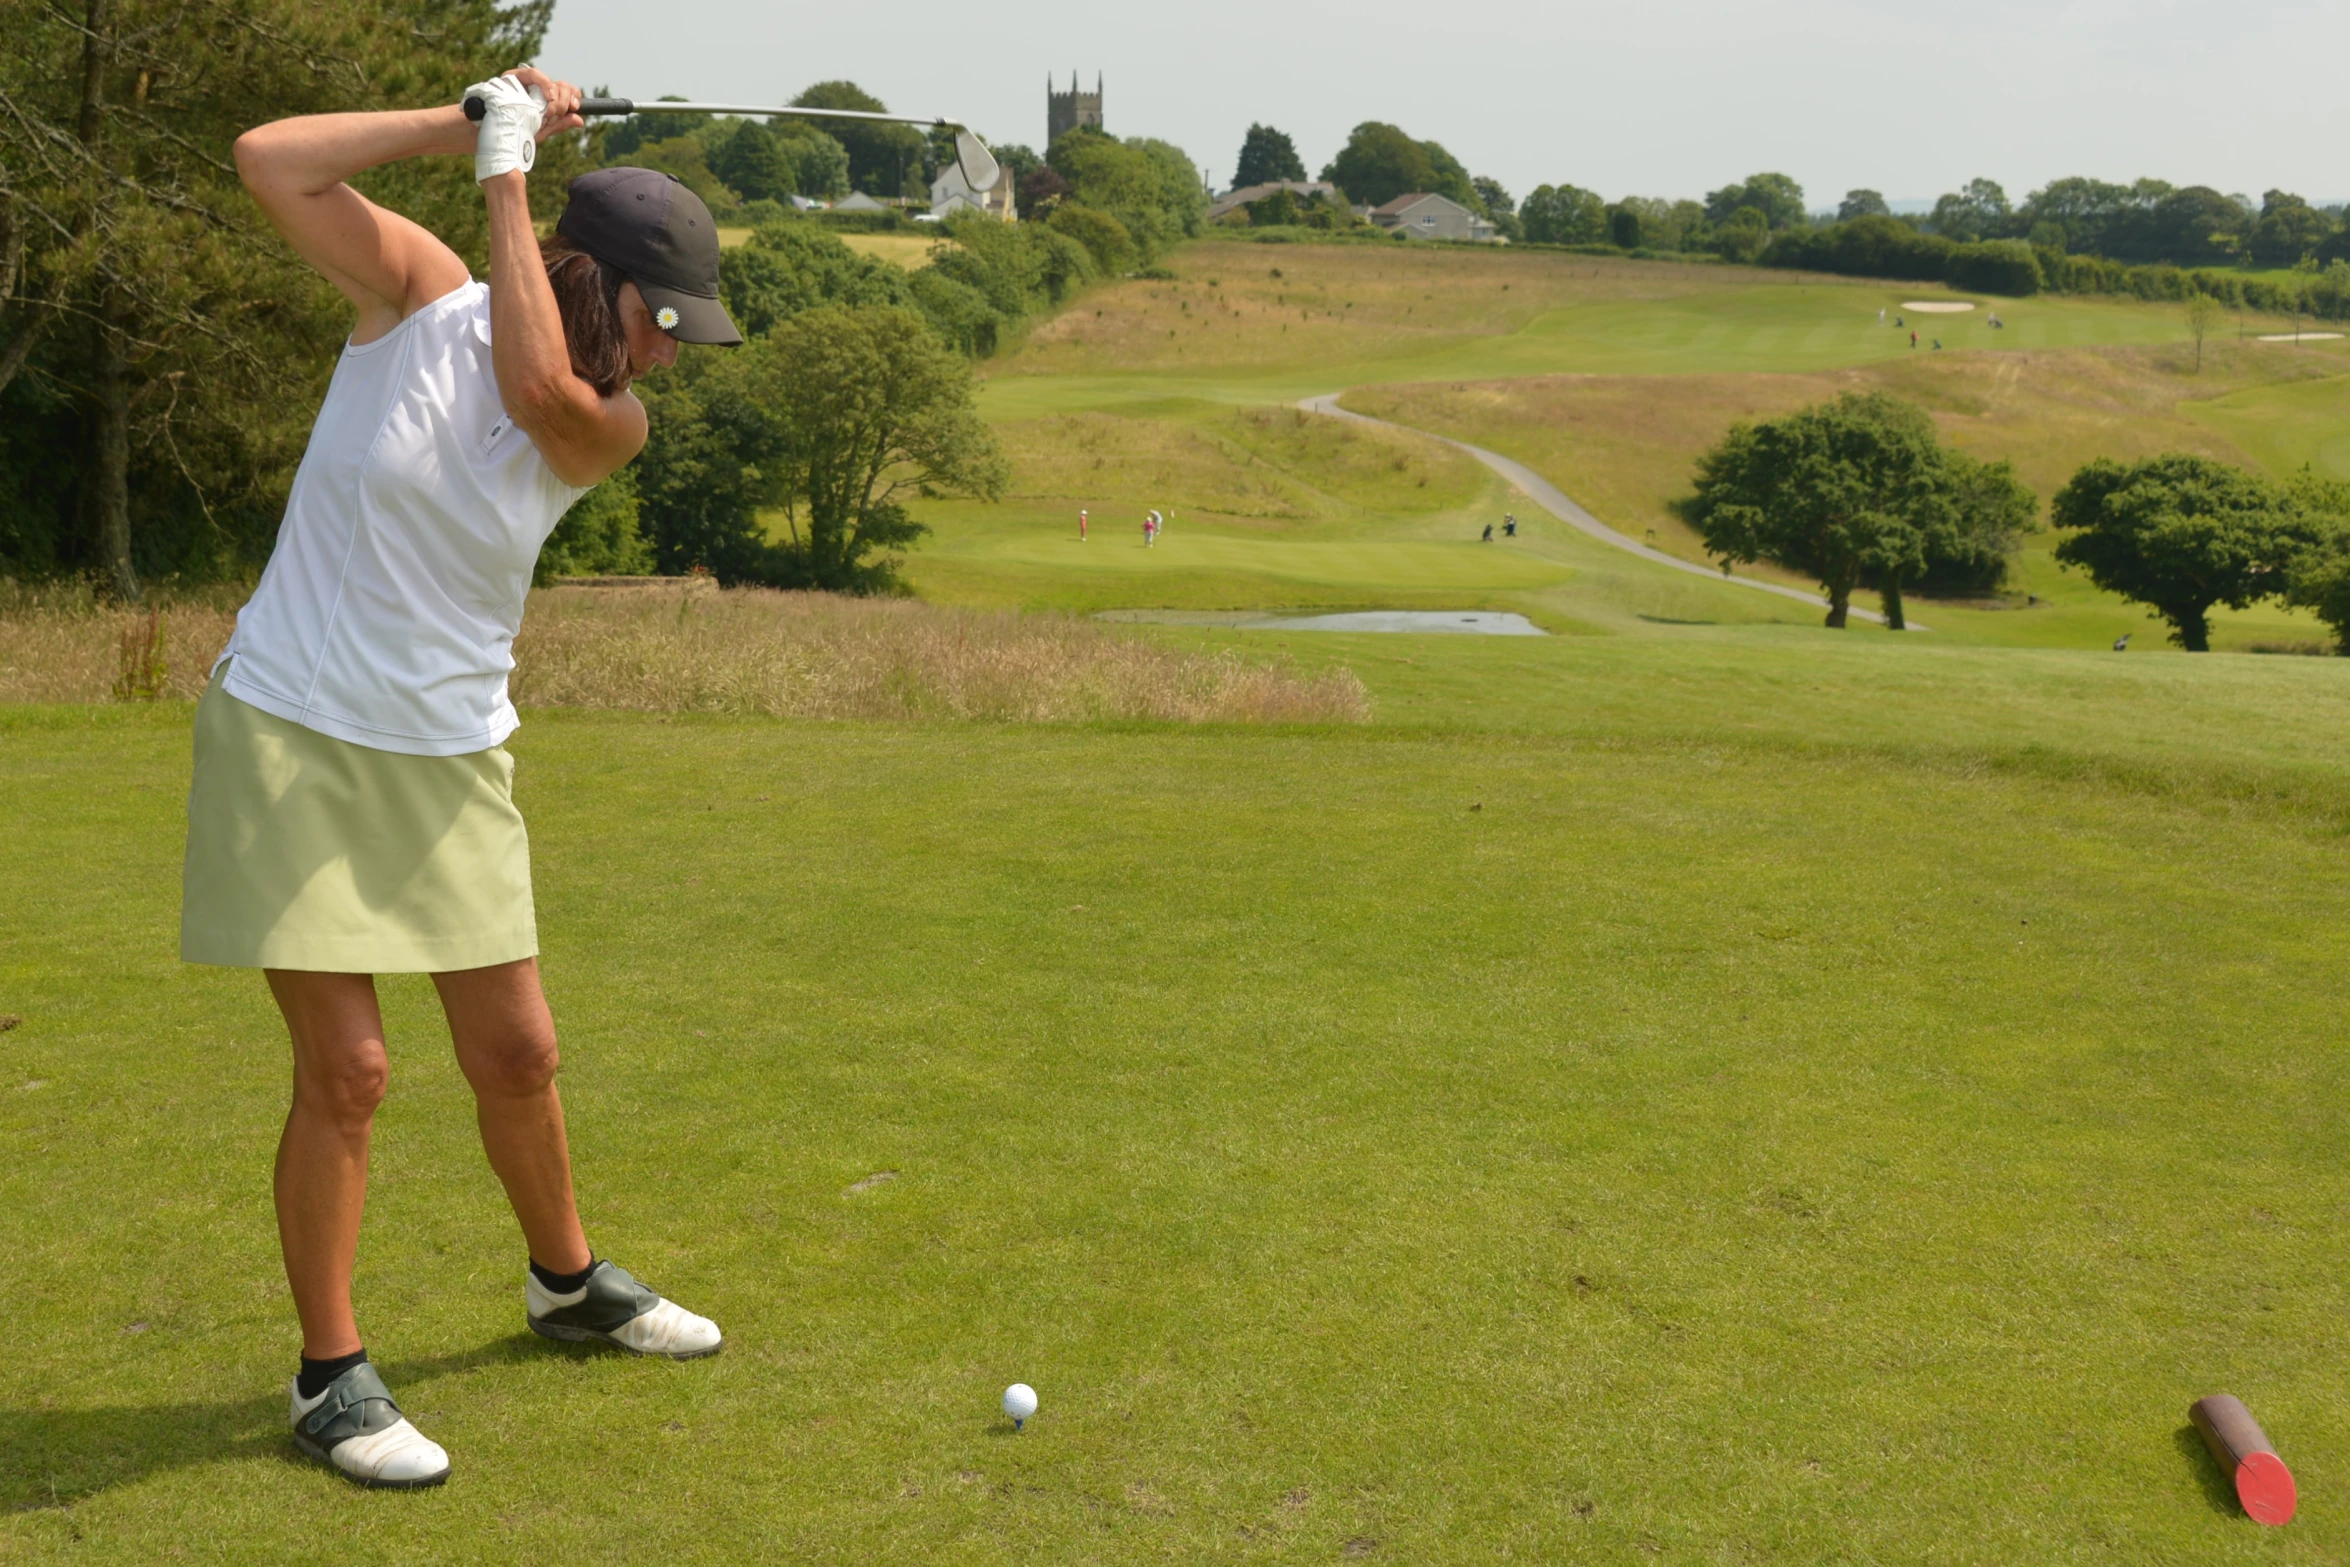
column 980, row 170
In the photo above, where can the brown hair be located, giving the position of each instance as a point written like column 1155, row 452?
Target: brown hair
column 587, row 296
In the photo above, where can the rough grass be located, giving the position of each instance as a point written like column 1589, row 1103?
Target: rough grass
column 675, row 649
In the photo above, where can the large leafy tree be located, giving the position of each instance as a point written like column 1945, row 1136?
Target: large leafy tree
column 1853, row 490
column 2319, row 580
column 1981, row 210
column 1379, row 163
column 828, row 422
column 1862, row 203
column 884, row 160
column 1267, row 155
column 2288, row 230
column 161, row 350
column 2181, row 533
column 1776, row 196
column 1564, row 215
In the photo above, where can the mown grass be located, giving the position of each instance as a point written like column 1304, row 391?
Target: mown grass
column 1709, row 1098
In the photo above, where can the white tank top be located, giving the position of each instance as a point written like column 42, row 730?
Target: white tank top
column 387, row 613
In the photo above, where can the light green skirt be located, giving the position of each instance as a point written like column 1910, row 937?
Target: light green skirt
column 308, row 852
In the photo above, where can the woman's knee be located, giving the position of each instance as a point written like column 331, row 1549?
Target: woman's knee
column 512, row 1063
column 346, row 1085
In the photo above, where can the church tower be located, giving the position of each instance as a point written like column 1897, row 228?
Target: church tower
column 1065, row 111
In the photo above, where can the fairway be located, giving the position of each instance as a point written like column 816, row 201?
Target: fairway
column 1735, row 1138
column 1608, row 377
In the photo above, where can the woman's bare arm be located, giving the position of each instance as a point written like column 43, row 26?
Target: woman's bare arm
column 584, row 437
column 387, row 266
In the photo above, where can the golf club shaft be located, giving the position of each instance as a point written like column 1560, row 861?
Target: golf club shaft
column 611, row 107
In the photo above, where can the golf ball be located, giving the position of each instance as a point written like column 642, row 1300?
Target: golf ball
column 1019, row 1402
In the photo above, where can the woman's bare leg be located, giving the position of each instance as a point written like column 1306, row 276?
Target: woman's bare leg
column 505, row 1041
column 321, row 1184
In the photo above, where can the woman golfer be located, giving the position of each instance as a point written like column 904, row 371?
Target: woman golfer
column 351, row 812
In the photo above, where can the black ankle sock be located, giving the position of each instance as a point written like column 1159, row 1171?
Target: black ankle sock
column 318, row 1375
column 562, row 1283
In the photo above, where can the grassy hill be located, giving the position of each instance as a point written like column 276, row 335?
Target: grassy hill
column 1607, row 377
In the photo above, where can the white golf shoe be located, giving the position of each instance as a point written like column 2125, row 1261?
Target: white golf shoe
column 613, row 1308
column 355, row 1426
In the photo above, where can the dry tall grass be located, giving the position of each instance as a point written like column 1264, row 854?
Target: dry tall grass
column 813, row 655
column 674, row 648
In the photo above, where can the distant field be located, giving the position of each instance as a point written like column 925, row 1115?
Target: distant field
column 1607, row 376
column 905, row 250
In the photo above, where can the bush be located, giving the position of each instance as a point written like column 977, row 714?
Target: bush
column 1995, row 266
column 598, row 537
column 1105, row 239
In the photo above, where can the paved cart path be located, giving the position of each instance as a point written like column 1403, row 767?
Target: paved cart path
column 1557, row 502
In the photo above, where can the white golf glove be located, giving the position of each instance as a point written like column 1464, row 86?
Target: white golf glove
column 508, row 139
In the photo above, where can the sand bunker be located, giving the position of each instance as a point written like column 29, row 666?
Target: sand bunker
column 1937, row 307
column 2297, row 337
column 1453, row 622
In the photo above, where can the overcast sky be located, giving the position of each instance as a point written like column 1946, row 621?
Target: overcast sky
column 1662, row 98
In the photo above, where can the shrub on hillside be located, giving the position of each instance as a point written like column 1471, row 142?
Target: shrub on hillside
column 791, row 265
column 1105, row 239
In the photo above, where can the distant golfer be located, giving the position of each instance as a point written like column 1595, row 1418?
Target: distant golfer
column 1509, row 525
column 1913, row 340
column 1150, row 529
column 1880, row 315
column 1487, row 535
column 1081, row 525
column 351, row 812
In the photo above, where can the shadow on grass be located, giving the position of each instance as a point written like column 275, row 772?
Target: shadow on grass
column 57, row 1457
column 2219, row 1488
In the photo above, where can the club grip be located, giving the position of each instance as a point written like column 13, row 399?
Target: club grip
column 475, row 108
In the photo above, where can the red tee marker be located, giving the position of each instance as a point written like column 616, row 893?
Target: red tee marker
column 2263, row 1484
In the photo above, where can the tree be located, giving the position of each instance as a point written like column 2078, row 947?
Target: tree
column 1266, row 155
column 598, row 537
column 1623, row 228
column 883, row 159
column 1776, row 196
column 2181, row 533
column 1743, row 235
column 1149, row 186
column 2319, row 579
column 2288, row 231
column 1104, row 238
column 1564, row 215
column 829, row 420
column 1379, row 163
column 161, row 350
column 792, row 265
column 753, row 163
column 1039, row 192
column 1850, row 490
column 1979, row 211
column 2202, row 313
column 1861, row 204
column 648, row 125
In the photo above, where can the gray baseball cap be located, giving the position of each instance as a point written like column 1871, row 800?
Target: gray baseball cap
column 661, row 238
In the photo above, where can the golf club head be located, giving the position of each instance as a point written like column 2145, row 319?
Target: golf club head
column 980, row 170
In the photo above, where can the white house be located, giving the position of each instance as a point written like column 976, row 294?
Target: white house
column 950, row 193
column 1424, row 215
